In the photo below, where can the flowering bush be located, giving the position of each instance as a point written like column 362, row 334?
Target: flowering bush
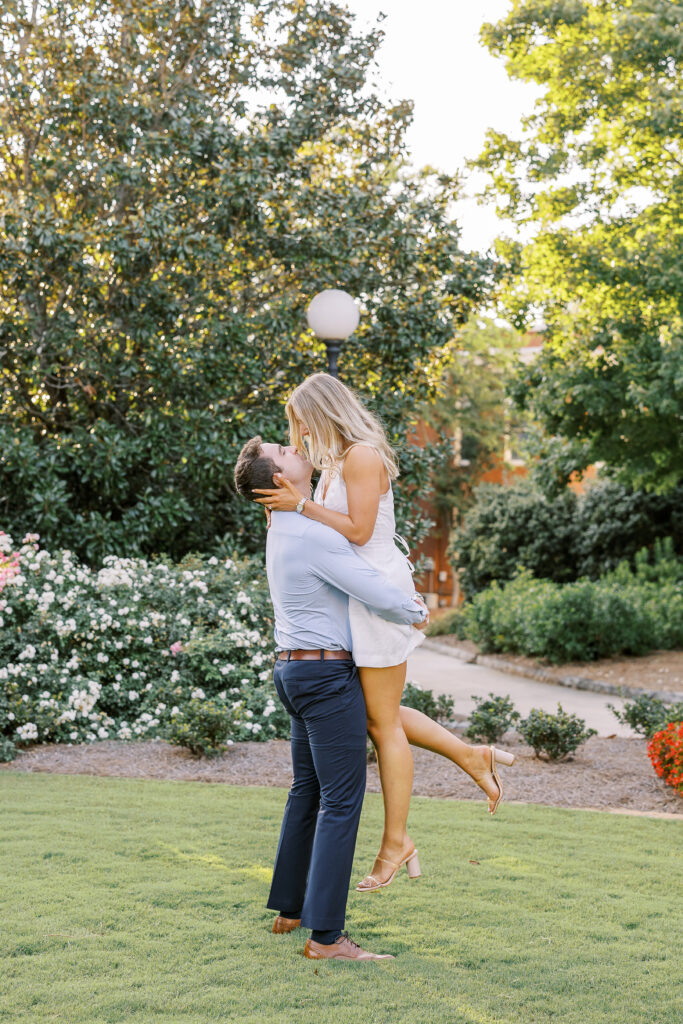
column 665, row 750
column 120, row 652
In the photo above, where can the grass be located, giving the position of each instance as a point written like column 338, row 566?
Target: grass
column 143, row 901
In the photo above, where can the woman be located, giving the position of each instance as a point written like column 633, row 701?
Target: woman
column 348, row 446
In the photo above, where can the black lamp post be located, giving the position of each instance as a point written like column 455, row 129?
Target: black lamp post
column 332, row 316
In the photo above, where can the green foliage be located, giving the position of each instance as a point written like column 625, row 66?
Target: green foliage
column 205, row 727
column 8, row 750
column 556, row 736
column 473, row 411
column 561, row 538
column 596, row 181
column 451, row 623
column 177, row 180
column 624, row 612
column 512, row 526
column 440, row 708
column 647, row 715
column 491, row 718
column 135, row 649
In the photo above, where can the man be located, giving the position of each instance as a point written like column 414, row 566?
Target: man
column 311, row 571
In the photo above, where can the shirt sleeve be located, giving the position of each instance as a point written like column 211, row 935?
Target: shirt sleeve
column 338, row 564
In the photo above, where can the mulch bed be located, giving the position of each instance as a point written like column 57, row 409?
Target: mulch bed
column 605, row 773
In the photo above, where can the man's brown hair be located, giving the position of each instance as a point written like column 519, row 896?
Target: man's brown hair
column 253, row 469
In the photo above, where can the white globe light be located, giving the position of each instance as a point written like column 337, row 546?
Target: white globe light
column 333, row 314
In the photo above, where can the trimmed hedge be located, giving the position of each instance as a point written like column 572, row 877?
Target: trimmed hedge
column 561, row 539
column 626, row 612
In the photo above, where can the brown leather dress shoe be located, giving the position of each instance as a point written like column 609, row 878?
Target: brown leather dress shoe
column 342, row 948
column 283, row 925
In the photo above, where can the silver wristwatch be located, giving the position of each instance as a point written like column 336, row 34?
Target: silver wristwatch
column 300, row 506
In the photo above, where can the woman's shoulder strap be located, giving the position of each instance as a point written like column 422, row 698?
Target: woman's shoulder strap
column 361, row 444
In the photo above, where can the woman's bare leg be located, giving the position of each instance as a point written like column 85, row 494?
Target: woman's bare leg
column 474, row 759
column 382, row 688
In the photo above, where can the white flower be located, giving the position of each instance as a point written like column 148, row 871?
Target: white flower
column 116, row 687
column 102, row 733
column 133, row 695
column 73, row 735
column 29, row 731
column 113, row 577
column 256, row 727
column 198, row 694
column 175, row 711
column 148, row 640
column 102, row 658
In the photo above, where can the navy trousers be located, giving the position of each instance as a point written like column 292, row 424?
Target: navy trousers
column 318, row 837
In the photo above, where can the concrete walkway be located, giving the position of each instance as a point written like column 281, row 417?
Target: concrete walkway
column 445, row 674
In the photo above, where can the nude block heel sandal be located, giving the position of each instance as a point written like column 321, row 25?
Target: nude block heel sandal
column 501, row 757
column 412, row 867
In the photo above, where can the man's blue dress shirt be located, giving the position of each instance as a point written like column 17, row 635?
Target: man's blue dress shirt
column 311, row 571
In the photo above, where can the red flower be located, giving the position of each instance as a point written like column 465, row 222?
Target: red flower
column 665, row 750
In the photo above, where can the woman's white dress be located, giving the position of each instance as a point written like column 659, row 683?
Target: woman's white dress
column 376, row 643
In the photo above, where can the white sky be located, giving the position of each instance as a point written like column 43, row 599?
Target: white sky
column 432, row 55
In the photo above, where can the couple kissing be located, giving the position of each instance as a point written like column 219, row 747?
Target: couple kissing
column 346, row 618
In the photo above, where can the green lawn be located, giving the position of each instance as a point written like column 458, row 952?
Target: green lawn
column 137, row 901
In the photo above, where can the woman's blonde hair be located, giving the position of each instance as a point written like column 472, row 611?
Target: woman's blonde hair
column 335, row 418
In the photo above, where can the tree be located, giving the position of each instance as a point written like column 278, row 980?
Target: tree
column 598, row 180
column 472, row 410
column 177, row 179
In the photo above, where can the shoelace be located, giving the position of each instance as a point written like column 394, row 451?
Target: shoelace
column 345, row 935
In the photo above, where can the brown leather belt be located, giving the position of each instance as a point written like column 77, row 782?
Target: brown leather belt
column 318, row 655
